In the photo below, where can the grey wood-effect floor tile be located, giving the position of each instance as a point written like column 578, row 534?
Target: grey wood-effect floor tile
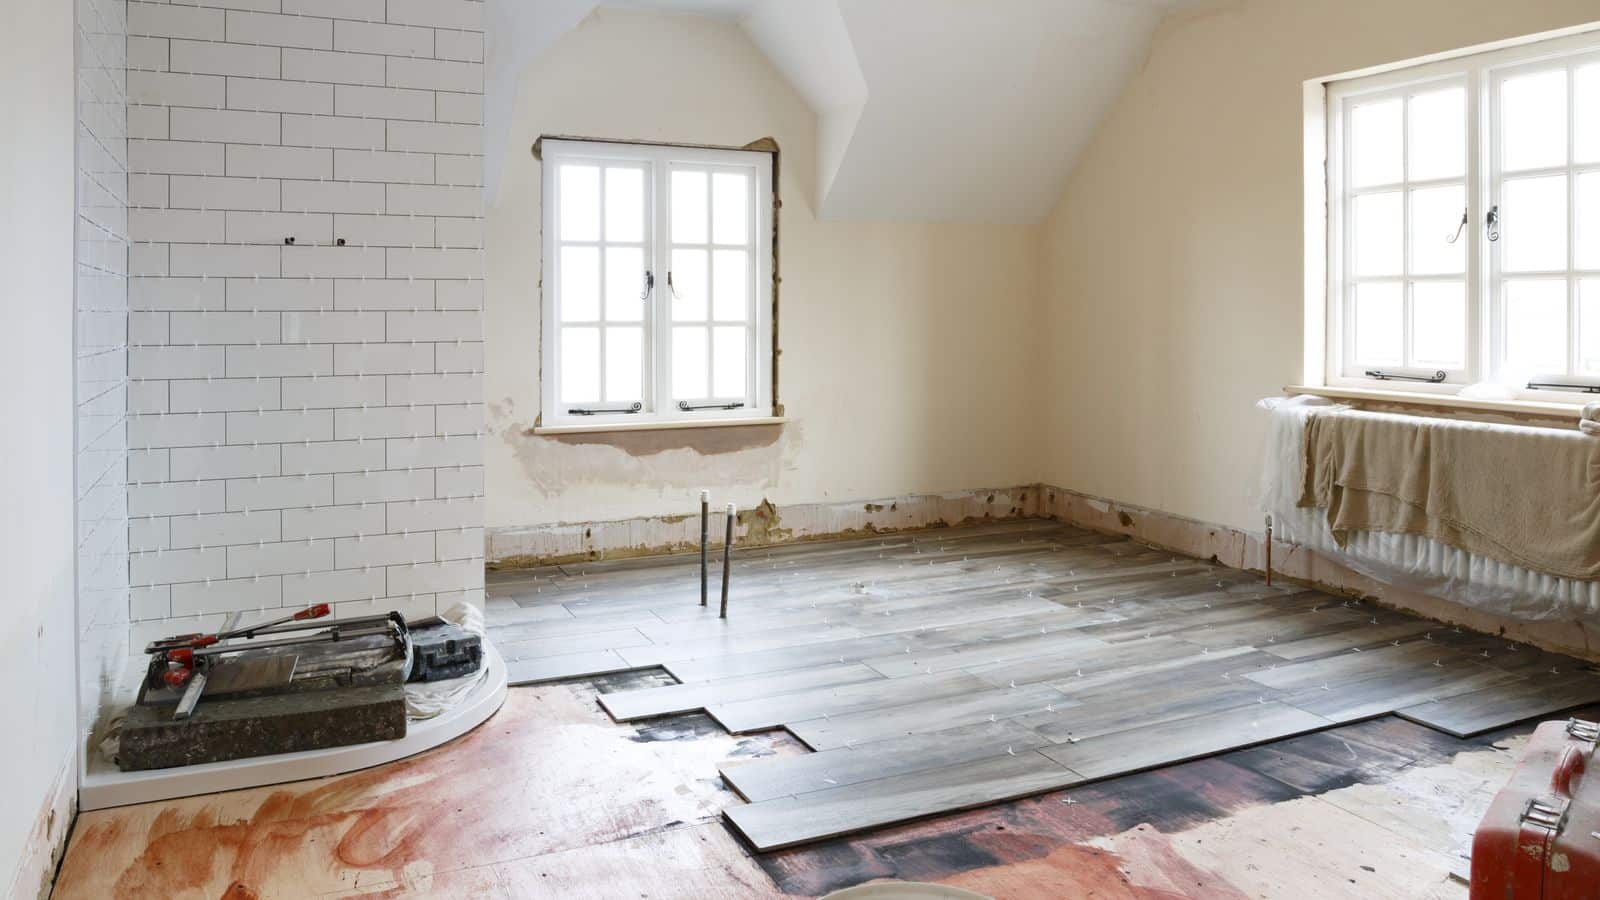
column 1470, row 714
column 560, row 668
column 881, row 723
column 625, row 706
column 739, row 716
column 1183, row 739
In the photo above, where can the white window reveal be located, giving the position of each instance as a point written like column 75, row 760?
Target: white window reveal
column 1464, row 222
column 657, row 291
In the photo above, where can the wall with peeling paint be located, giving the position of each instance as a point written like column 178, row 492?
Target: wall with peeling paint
column 905, row 358
column 1174, row 260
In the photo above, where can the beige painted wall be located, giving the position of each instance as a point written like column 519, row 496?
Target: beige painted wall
column 1173, row 263
column 903, row 345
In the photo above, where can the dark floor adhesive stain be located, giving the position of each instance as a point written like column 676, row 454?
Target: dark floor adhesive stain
column 677, row 728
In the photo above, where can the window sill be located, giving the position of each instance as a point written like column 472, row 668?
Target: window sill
column 671, row 425
column 1532, row 408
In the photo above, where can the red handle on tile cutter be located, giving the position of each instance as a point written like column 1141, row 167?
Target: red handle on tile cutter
column 182, row 658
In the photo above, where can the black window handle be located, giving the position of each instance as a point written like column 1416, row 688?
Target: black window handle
column 649, row 284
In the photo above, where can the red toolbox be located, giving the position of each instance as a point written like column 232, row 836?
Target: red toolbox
column 1540, row 839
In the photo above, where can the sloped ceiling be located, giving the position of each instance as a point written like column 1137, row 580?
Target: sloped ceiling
column 927, row 110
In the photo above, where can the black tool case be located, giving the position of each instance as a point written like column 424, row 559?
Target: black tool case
column 441, row 650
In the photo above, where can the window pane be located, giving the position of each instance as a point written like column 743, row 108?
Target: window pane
column 1533, row 115
column 1439, row 323
column 689, row 363
column 1534, row 224
column 688, row 285
column 1588, row 237
column 624, row 284
column 624, row 204
column 580, row 365
column 1589, row 316
column 1377, row 224
column 730, row 288
column 624, row 365
column 1536, row 325
column 688, row 207
column 1587, row 102
column 730, row 208
column 580, row 204
column 728, row 361
column 1435, row 216
column 1438, row 134
column 1375, row 144
column 580, row 284
column 1379, row 325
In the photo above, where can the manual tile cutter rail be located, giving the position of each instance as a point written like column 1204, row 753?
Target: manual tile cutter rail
column 189, row 661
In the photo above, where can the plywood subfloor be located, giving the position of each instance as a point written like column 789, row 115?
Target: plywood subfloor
column 951, row 669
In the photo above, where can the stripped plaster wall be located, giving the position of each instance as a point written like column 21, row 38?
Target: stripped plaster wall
column 904, row 366
column 1173, row 269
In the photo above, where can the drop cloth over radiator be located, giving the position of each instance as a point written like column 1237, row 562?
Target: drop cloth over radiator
column 1406, row 560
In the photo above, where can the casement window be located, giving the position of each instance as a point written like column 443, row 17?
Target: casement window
column 1464, row 222
column 657, row 286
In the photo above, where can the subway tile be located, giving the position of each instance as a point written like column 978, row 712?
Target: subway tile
column 147, row 259
column 450, row 450
column 176, row 430
column 463, row 545
column 227, row 596
column 435, row 75
column 458, row 169
column 210, row 58
column 459, row 232
column 164, row 20
column 226, row 125
column 179, row 225
column 461, row 481
column 148, row 54
column 334, row 390
column 350, row 261
column 435, row 137
column 380, row 165
column 343, row 327
column 245, row 560
column 333, row 68
column 434, row 388
column 382, row 422
column 224, row 528
column 175, row 362
column 393, row 293
column 210, row 327
column 265, row 95
column 338, row 586
column 462, row 45
column 169, row 566
column 333, row 196
column 247, row 161
column 280, row 426
column 147, row 190
column 175, row 157
column 276, row 360
column 466, row 356
column 333, row 521
column 273, row 228
column 435, row 263
column 189, row 192
column 287, row 492
column 175, row 293
column 459, row 294
column 427, row 577
column 333, row 131
column 189, row 463
column 435, row 326
column 149, row 465
column 169, row 89
column 382, row 359
column 280, row 293
column 464, row 14
column 279, row 30
column 149, row 534
column 147, row 329
column 459, row 418
column 332, row 456
column 223, row 394
column 147, row 396
column 361, row 10
column 175, row 498
column 383, row 550
column 382, row 486
column 434, row 515
column 148, row 122
column 149, row 602
column 383, row 103
column 459, row 108
column 393, row 40
column 433, row 200
column 221, row 260
column 386, row 231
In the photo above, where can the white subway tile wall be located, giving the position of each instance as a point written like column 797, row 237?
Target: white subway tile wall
column 103, row 334
column 305, row 337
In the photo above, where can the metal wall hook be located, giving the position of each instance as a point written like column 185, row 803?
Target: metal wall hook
column 1462, row 226
column 1494, row 222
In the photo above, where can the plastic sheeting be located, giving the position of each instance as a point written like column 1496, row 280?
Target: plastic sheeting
column 1405, row 560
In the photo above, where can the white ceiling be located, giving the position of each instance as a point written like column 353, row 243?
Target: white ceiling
column 928, row 110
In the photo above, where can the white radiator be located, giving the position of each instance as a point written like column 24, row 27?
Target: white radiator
column 1404, row 560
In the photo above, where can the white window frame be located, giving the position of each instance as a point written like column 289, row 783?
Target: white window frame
column 659, row 407
column 1481, row 71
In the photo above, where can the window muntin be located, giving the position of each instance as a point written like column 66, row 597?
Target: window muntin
column 657, row 294
column 1415, row 152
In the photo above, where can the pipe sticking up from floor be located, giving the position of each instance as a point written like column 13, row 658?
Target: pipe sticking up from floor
column 705, row 537
column 727, row 559
column 1269, row 551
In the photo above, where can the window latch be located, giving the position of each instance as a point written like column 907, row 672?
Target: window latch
column 1494, row 222
column 1462, row 226
column 670, row 288
column 649, row 284
column 1564, row 386
column 686, row 406
column 583, row 411
column 1435, row 378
